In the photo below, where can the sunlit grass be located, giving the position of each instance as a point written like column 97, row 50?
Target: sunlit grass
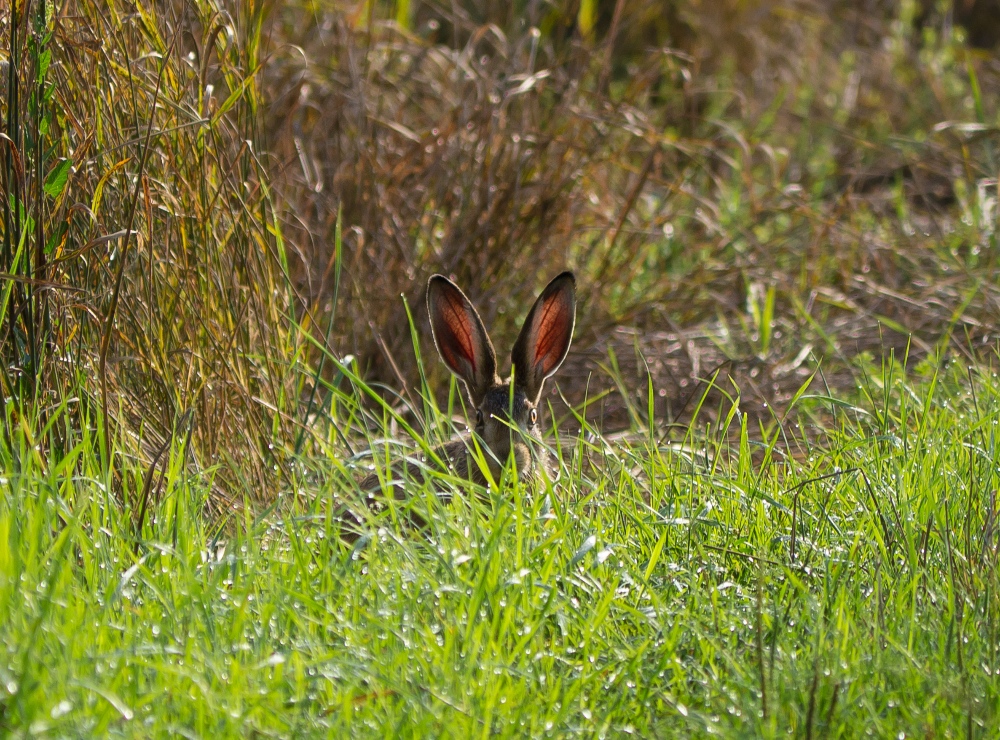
column 179, row 438
column 658, row 587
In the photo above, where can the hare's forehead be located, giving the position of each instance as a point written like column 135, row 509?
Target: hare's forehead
column 502, row 398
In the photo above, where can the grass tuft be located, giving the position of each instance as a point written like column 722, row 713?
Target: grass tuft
column 695, row 588
column 776, row 509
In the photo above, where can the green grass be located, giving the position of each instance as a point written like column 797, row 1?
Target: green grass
column 661, row 588
column 177, row 435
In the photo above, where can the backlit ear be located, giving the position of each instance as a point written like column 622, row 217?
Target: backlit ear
column 460, row 337
column 546, row 335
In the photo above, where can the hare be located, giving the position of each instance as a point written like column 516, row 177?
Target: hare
column 506, row 410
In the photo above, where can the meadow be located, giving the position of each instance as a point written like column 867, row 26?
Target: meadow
column 776, row 509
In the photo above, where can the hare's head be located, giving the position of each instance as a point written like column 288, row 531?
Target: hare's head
column 506, row 410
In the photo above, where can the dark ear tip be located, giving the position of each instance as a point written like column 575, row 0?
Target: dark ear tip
column 563, row 279
column 438, row 283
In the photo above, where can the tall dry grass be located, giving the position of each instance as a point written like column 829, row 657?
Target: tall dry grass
column 759, row 189
column 734, row 182
column 142, row 260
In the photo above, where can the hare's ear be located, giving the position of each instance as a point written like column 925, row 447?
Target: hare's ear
column 460, row 337
column 546, row 335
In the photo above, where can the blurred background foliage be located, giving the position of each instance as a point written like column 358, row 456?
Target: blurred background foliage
column 733, row 181
column 761, row 189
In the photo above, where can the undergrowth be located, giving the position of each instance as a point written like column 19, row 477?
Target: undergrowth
column 685, row 588
column 776, row 510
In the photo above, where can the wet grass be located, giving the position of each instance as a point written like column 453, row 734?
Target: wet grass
column 777, row 508
column 685, row 588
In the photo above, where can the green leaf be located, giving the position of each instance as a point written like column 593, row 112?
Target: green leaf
column 55, row 238
column 403, row 14
column 581, row 552
column 234, row 96
column 655, row 556
column 586, row 19
column 57, row 178
column 44, row 60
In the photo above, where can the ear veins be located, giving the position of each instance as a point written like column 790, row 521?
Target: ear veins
column 546, row 348
column 460, row 337
column 459, row 325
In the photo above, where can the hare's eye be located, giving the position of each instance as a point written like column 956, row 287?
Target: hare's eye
column 534, row 415
column 479, row 418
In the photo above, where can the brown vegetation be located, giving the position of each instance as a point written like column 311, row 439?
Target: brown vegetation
column 685, row 159
column 760, row 188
